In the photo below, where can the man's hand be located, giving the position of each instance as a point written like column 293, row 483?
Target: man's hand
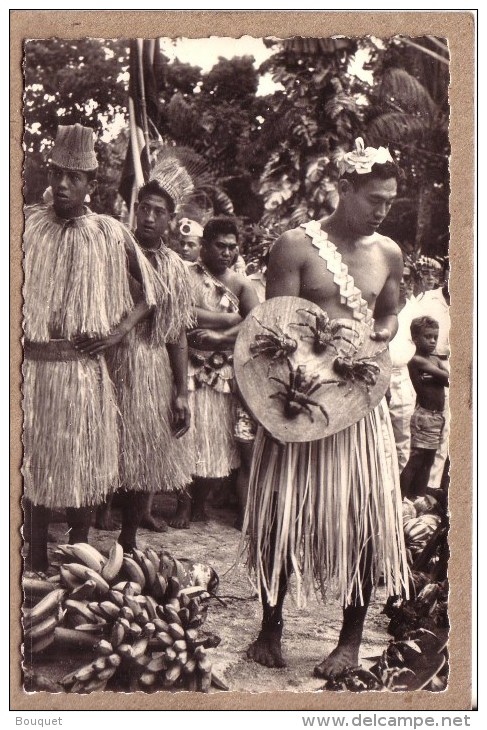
column 181, row 416
column 204, row 338
column 93, row 346
column 382, row 335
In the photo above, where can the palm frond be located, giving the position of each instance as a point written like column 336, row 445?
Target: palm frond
column 396, row 126
column 400, row 91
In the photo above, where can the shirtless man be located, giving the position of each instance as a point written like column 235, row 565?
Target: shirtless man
column 297, row 267
column 223, row 299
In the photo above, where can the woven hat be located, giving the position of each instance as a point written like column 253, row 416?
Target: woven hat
column 74, row 148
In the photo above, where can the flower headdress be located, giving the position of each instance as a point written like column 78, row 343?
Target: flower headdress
column 361, row 159
column 188, row 227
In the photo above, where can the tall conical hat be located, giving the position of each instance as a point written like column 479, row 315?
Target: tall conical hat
column 74, row 148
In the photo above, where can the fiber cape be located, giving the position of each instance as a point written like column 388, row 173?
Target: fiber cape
column 77, row 281
column 321, row 503
column 151, row 459
column 211, row 386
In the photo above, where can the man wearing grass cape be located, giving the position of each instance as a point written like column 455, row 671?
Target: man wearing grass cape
column 330, row 510
column 85, row 279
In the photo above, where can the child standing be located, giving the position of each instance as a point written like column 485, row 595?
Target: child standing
column 429, row 377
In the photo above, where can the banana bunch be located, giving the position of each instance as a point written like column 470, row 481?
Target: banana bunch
column 418, row 530
column 157, row 645
column 40, row 621
column 140, row 614
column 93, row 676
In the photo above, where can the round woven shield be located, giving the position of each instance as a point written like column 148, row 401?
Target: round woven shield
column 286, row 354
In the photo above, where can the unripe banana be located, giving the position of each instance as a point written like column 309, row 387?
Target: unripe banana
column 102, row 586
column 148, row 629
column 159, row 587
column 38, row 645
column 114, row 660
column 105, row 648
column 110, row 610
column 127, row 614
column 205, row 680
column 46, row 606
column 133, row 571
column 157, row 664
column 176, row 631
column 135, row 630
column 68, row 579
column 165, row 639
column 190, row 666
column 113, row 565
column 95, row 628
column 106, row 674
column 172, row 674
column 171, row 615
column 184, row 616
column 139, row 647
column 95, row 685
column 118, row 634
column 84, row 673
column 180, row 645
column 153, row 557
column 100, row 663
column 84, row 592
column 127, row 585
column 149, row 570
column 116, row 597
column 87, row 554
column 171, row 655
column 160, row 624
column 41, row 629
column 150, row 605
column 147, row 679
column 125, row 651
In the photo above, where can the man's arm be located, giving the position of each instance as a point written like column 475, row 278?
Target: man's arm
column 248, row 299
column 284, row 269
column 387, row 303
column 178, row 359
column 216, row 320
column 96, row 345
column 422, row 365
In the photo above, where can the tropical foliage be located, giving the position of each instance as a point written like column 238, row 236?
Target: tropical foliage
column 273, row 156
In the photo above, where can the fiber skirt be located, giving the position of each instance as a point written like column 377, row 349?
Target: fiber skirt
column 151, row 459
column 320, row 508
column 211, row 437
column 70, row 432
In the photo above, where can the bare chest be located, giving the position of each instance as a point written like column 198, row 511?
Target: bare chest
column 368, row 268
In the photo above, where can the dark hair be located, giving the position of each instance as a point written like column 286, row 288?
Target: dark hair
column 384, row 171
column 216, row 226
column 153, row 188
column 421, row 323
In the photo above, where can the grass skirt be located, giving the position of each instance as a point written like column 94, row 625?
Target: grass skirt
column 211, row 437
column 70, row 433
column 326, row 501
column 151, row 459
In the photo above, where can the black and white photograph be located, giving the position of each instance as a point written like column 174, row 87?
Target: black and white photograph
column 236, row 363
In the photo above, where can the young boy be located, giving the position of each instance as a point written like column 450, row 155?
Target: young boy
column 430, row 378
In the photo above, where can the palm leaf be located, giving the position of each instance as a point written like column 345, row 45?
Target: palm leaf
column 395, row 127
column 402, row 92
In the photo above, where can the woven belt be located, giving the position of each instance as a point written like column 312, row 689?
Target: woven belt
column 442, row 357
column 52, row 351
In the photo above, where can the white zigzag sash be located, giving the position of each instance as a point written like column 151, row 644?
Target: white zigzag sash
column 350, row 295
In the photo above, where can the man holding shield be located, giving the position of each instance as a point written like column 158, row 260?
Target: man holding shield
column 339, row 523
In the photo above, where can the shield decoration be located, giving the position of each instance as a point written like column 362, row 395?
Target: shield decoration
column 304, row 376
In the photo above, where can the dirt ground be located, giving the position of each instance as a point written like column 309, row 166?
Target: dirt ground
column 309, row 633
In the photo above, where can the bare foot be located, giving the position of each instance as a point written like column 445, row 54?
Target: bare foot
column 266, row 649
column 181, row 519
column 149, row 523
column 342, row 657
column 199, row 514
